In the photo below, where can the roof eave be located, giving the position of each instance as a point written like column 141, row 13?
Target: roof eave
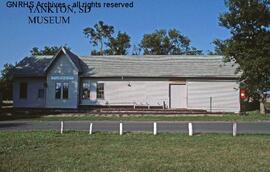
column 189, row 77
column 56, row 55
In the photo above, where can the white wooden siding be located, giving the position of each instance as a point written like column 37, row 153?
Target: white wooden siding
column 32, row 99
column 139, row 92
column 144, row 93
column 225, row 95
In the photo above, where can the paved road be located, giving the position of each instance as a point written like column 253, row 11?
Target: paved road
column 138, row 126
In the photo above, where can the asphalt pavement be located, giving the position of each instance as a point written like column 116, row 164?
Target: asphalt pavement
column 138, row 126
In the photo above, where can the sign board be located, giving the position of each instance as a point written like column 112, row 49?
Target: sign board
column 65, row 78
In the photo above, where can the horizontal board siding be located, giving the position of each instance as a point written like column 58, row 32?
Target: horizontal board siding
column 117, row 92
column 225, row 95
column 151, row 93
column 32, row 99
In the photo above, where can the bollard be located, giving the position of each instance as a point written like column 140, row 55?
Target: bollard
column 121, row 128
column 234, row 128
column 62, row 127
column 211, row 100
column 155, row 128
column 90, row 128
column 190, row 129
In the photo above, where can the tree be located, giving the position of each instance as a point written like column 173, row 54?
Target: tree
column 48, row 50
column 6, row 82
column 249, row 44
column 162, row 42
column 99, row 35
column 219, row 45
column 119, row 45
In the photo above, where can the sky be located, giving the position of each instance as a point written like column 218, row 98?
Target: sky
column 196, row 19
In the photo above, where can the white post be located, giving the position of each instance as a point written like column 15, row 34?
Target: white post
column 62, row 127
column 190, row 129
column 90, row 128
column 121, row 128
column 155, row 128
column 210, row 106
column 234, row 128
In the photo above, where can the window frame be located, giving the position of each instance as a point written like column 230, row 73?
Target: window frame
column 41, row 90
column 23, row 94
column 65, row 97
column 86, row 87
column 60, row 91
column 100, row 91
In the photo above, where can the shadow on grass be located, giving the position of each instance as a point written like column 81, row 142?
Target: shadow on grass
column 8, row 125
column 9, row 114
column 18, row 116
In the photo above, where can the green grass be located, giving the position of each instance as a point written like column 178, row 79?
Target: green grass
column 252, row 116
column 78, row 151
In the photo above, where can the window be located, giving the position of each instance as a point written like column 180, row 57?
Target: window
column 41, row 93
column 23, row 90
column 61, row 90
column 65, row 90
column 100, row 90
column 58, row 90
column 86, row 91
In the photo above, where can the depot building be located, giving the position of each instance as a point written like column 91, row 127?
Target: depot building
column 66, row 80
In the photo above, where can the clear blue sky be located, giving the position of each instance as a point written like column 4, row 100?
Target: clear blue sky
column 197, row 19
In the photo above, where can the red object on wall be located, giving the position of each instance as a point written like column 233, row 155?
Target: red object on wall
column 243, row 94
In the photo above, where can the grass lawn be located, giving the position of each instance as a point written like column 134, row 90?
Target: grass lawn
column 77, row 151
column 252, row 116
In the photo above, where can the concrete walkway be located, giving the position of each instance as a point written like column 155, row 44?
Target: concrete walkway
column 138, row 126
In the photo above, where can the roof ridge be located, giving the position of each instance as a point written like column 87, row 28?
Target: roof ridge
column 141, row 57
column 41, row 56
column 154, row 57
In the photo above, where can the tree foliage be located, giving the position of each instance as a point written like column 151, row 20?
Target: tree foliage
column 48, row 50
column 249, row 44
column 162, row 42
column 219, row 45
column 6, row 82
column 119, row 45
column 99, row 35
column 102, row 35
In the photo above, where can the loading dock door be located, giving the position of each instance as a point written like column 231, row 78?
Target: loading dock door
column 178, row 98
